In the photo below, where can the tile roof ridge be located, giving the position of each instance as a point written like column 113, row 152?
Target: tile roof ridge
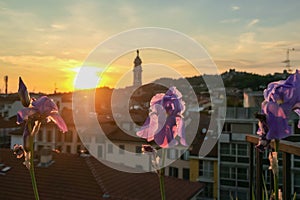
column 107, row 194
column 95, row 175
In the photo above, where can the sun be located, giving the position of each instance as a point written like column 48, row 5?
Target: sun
column 88, row 77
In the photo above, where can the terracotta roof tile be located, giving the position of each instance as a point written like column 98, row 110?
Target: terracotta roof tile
column 75, row 177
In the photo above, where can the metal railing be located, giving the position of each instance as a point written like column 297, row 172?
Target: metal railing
column 287, row 148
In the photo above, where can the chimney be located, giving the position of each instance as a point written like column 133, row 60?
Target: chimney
column 45, row 157
column 6, row 83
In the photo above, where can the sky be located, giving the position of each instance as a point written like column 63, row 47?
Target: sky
column 47, row 42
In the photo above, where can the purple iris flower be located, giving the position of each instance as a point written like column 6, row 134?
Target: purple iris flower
column 281, row 98
column 165, row 120
column 42, row 109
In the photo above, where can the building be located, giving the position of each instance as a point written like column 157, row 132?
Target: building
column 204, row 169
column 9, row 105
column 252, row 98
column 234, row 153
column 7, row 125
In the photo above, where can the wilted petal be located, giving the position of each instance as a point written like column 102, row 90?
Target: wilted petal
column 297, row 111
column 273, row 162
column 27, row 159
column 263, row 143
column 23, row 93
column 58, row 120
column 18, row 150
column 146, row 148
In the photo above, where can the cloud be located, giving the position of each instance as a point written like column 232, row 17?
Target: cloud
column 252, row 23
column 246, row 43
column 58, row 26
column 234, row 8
column 230, row 21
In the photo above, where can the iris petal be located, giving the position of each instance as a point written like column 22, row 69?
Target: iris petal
column 281, row 98
column 58, row 120
column 165, row 119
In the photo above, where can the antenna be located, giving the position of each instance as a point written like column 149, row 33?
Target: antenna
column 288, row 61
column 55, row 88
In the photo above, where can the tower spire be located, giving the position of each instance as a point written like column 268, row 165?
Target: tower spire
column 137, row 70
column 137, row 60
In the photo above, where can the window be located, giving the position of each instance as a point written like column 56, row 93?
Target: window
column 242, row 149
column 224, row 194
column 68, row 136
column 233, row 149
column 242, row 173
column 225, row 172
column 40, row 136
column 208, row 191
column 228, row 182
column 40, row 147
column 185, row 155
column 242, row 195
column 173, row 171
column 227, row 127
column 49, row 136
column 233, row 172
column 186, row 173
column 121, row 149
column 225, row 149
column 172, row 154
column 206, row 168
column 297, row 178
column 138, row 150
column 100, row 151
column 68, row 149
column 241, row 128
column 58, row 136
column 228, row 158
column 86, row 138
column 110, row 148
column 99, row 139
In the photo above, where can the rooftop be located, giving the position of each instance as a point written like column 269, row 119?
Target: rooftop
column 75, row 177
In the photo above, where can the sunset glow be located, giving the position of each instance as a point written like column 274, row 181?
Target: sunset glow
column 87, row 77
column 45, row 45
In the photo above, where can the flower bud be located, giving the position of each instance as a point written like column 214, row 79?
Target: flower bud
column 23, row 93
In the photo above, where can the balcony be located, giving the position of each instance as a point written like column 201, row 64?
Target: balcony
column 287, row 149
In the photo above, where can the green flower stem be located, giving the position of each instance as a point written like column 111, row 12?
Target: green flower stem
column 31, row 169
column 162, row 184
column 161, row 175
column 276, row 172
